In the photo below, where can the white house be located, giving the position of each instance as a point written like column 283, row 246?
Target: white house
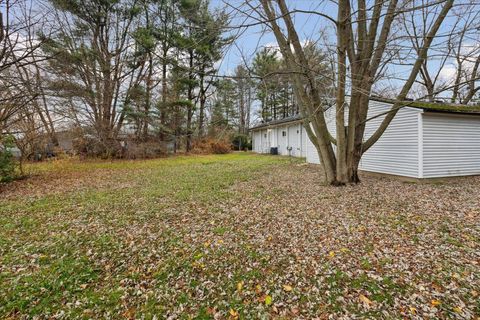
column 424, row 140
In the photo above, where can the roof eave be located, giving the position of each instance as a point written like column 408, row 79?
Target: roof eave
column 269, row 125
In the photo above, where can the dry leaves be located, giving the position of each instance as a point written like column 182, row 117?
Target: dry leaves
column 238, row 236
column 287, row 288
column 365, row 300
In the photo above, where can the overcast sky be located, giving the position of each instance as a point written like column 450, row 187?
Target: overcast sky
column 252, row 38
column 309, row 27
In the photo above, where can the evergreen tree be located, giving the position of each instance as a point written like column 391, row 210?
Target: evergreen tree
column 202, row 43
column 224, row 114
column 265, row 65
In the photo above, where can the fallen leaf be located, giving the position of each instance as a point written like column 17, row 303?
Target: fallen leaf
column 233, row 313
column 211, row 311
column 365, row 300
column 287, row 288
column 129, row 314
column 240, row 286
column 87, row 312
column 436, row 303
column 268, row 300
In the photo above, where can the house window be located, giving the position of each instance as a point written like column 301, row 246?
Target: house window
column 284, row 133
column 265, row 135
column 298, row 131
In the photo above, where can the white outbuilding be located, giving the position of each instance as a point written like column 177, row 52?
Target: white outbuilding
column 424, row 140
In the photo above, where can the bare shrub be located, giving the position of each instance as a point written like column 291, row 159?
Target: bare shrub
column 145, row 149
column 89, row 146
column 220, row 147
column 209, row 146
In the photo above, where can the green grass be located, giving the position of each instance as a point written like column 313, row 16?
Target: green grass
column 198, row 237
column 78, row 251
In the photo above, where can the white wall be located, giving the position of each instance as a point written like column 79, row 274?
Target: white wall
column 311, row 151
column 282, row 141
column 451, row 145
column 396, row 152
column 305, row 141
column 312, row 154
column 260, row 141
column 257, row 141
column 296, row 138
column 416, row 144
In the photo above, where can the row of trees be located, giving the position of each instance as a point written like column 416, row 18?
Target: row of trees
column 150, row 63
column 149, row 68
column 265, row 85
column 146, row 68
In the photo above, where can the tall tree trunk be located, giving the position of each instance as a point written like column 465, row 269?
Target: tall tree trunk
column 202, row 101
column 148, row 97
column 164, row 92
column 342, row 37
column 191, row 98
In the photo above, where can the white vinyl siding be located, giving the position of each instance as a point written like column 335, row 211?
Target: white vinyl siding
column 451, row 145
column 416, row 144
column 294, row 140
column 282, row 140
column 305, row 141
column 257, row 141
column 396, row 152
column 312, row 154
column 260, row 141
column 264, row 139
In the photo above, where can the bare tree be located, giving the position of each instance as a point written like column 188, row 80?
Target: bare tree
column 94, row 62
column 17, row 47
column 451, row 69
column 363, row 36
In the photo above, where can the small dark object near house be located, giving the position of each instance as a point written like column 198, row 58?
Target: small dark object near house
column 274, row 150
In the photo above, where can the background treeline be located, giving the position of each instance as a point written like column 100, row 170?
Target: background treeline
column 139, row 78
column 131, row 78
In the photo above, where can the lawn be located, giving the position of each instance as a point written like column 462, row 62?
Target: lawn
column 234, row 236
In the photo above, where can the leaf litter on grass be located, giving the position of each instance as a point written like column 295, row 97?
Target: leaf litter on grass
column 245, row 237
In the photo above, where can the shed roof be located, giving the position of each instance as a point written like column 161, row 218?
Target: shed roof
column 434, row 106
column 277, row 122
column 424, row 105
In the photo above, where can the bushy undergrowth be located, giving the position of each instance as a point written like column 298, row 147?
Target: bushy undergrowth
column 211, row 146
column 241, row 142
column 90, row 146
column 144, row 149
column 7, row 161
